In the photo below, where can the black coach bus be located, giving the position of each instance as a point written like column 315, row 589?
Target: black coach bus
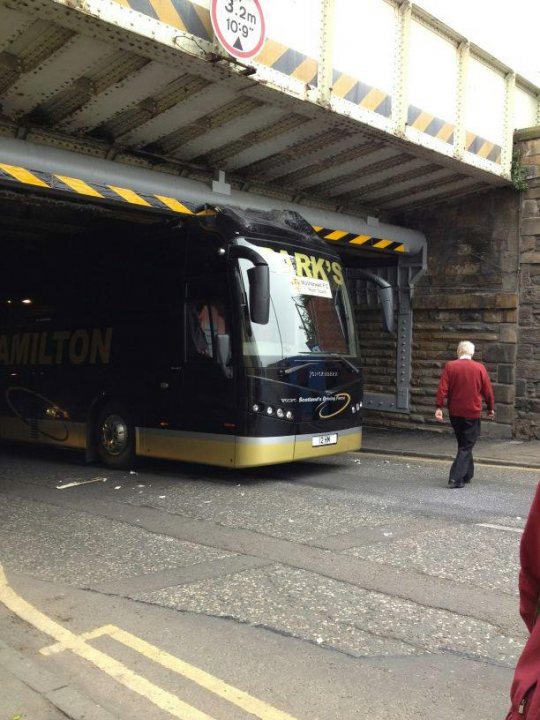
column 227, row 339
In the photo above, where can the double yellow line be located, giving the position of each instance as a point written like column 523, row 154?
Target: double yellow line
column 165, row 700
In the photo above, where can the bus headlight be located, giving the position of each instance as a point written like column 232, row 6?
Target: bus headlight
column 256, row 407
column 280, row 413
column 358, row 406
column 289, row 415
column 269, row 410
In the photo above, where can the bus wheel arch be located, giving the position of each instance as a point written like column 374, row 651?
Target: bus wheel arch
column 112, row 433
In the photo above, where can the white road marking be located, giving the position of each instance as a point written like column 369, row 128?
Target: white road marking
column 500, row 527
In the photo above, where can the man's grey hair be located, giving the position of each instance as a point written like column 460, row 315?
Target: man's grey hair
column 465, row 348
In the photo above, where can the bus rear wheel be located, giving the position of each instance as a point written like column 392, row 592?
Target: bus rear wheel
column 115, row 436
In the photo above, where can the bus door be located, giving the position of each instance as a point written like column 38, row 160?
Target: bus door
column 197, row 396
column 208, row 397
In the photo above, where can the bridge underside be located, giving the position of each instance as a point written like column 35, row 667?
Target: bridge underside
column 88, row 84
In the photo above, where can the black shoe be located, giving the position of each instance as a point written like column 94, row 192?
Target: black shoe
column 467, row 480
column 455, row 484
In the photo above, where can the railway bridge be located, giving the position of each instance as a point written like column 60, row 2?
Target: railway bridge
column 409, row 147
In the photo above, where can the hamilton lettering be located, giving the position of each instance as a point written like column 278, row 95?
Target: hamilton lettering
column 76, row 347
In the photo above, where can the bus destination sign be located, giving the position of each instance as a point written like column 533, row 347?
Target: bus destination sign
column 239, row 26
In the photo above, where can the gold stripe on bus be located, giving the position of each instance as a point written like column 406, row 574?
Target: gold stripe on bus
column 382, row 244
column 79, row 186
column 174, row 204
column 348, row 441
column 280, row 451
column 44, row 432
column 187, row 447
column 129, row 196
column 24, row 176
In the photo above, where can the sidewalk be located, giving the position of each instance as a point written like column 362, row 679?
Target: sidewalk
column 442, row 445
column 31, row 693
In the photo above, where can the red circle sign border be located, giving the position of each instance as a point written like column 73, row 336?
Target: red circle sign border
column 232, row 51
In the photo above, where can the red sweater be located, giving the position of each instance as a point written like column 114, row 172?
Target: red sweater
column 464, row 383
column 527, row 674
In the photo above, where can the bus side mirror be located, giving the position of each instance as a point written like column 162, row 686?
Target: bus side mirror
column 385, row 294
column 386, row 298
column 259, row 294
column 259, row 283
column 223, row 351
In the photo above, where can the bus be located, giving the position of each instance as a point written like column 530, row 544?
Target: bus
column 227, row 338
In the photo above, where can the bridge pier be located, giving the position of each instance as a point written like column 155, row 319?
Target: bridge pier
column 482, row 283
column 527, row 421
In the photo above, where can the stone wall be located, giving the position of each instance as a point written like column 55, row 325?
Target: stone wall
column 527, row 422
column 470, row 291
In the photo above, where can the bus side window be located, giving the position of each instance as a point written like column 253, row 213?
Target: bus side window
column 205, row 321
column 196, row 336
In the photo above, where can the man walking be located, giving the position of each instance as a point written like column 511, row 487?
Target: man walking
column 463, row 384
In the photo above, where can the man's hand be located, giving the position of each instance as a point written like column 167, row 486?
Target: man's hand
column 491, row 414
column 438, row 414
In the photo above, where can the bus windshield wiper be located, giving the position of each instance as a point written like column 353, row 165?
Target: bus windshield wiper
column 347, row 362
column 294, row 368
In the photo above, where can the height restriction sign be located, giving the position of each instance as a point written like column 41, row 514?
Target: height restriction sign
column 239, row 26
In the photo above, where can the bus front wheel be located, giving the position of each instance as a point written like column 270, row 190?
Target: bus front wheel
column 115, row 436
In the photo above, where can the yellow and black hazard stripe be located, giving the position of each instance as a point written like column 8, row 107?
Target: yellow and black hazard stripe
column 289, row 62
column 430, row 124
column 366, row 96
column 182, row 14
column 304, row 68
column 483, row 148
column 357, row 241
column 91, row 190
column 194, row 19
column 101, row 192
column 439, row 128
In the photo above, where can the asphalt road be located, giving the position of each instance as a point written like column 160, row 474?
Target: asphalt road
column 352, row 587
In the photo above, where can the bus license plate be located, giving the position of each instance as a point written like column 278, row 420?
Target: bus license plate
column 324, row 440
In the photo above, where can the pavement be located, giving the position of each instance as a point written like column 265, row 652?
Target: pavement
column 30, row 693
column 442, row 446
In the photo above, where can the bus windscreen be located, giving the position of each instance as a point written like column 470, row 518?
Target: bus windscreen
column 310, row 310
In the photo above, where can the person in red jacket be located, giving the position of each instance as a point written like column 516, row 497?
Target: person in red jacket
column 525, row 691
column 463, row 384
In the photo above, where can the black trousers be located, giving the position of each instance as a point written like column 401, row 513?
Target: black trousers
column 467, row 432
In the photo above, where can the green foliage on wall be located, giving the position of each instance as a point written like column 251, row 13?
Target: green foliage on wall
column 518, row 173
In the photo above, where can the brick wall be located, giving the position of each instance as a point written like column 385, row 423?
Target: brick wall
column 469, row 292
column 527, row 422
